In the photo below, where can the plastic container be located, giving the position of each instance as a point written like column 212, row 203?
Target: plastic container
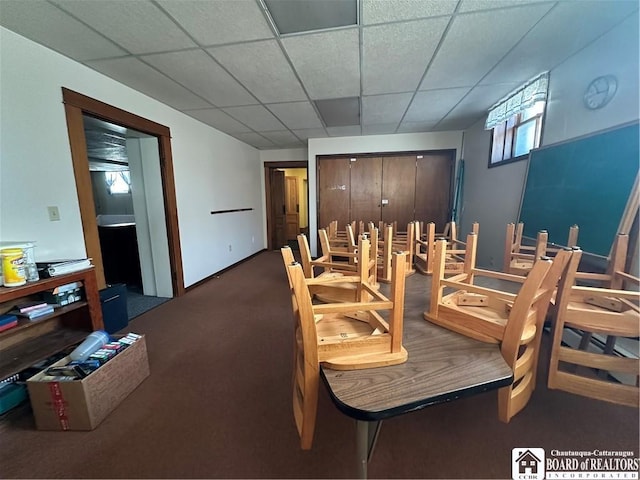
column 30, row 268
column 93, row 342
column 13, row 267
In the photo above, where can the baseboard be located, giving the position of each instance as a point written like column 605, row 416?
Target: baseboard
column 217, row 274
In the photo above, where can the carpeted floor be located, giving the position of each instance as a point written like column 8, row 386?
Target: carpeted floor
column 218, row 405
column 137, row 303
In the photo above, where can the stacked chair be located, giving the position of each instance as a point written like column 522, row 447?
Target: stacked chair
column 519, row 258
column 361, row 263
column 425, row 248
column 513, row 320
column 594, row 369
column 343, row 335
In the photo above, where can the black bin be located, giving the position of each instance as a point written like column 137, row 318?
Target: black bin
column 113, row 300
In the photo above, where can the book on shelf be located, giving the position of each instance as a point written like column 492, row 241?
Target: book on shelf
column 7, row 321
column 36, row 313
column 7, row 326
column 28, row 306
column 62, row 267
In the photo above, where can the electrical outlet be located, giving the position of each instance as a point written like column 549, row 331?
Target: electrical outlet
column 54, row 214
column 253, row 239
column 230, row 249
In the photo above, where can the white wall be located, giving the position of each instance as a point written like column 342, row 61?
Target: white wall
column 213, row 171
column 492, row 196
column 371, row 144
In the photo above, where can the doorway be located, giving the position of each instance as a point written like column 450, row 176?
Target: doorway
column 168, row 278
column 287, row 200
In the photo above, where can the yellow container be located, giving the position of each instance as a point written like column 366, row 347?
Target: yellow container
column 13, row 267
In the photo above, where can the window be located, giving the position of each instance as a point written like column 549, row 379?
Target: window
column 118, row 182
column 514, row 137
column 516, row 121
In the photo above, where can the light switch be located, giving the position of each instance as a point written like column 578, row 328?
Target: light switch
column 54, row 214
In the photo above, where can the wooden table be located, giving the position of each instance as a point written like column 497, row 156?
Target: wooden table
column 442, row 366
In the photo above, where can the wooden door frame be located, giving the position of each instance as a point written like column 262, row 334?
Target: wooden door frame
column 76, row 105
column 267, row 189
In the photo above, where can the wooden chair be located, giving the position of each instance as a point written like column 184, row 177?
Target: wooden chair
column 457, row 250
column 598, row 312
column 342, row 336
column 342, row 253
column 363, row 267
column 514, row 320
column 518, row 258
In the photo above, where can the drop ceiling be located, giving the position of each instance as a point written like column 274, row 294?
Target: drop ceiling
column 406, row 66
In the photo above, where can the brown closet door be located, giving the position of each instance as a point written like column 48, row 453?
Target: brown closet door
column 433, row 188
column 398, row 190
column 333, row 191
column 366, row 189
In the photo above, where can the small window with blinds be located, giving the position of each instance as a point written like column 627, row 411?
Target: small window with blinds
column 516, row 122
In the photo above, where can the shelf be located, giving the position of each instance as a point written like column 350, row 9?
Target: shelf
column 11, row 293
column 26, row 354
column 32, row 341
column 24, row 323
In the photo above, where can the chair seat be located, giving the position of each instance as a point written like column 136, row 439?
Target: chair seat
column 585, row 316
column 484, row 323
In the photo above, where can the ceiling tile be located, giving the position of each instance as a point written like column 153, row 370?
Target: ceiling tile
column 307, row 133
column 379, row 129
column 384, row 108
column 215, row 22
column 198, row 72
column 457, row 123
column 218, row 119
column 393, row 10
column 460, row 63
column 281, row 137
column 48, row 25
column 474, row 105
column 475, row 5
column 432, row 105
column 255, row 117
column 120, row 20
column 328, row 63
column 416, row 127
column 294, row 16
column 386, row 72
column 296, row 115
column 551, row 42
column 255, row 139
column 348, row 131
column 142, row 77
column 276, row 81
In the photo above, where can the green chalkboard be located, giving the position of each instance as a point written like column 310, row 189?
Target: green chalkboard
column 586, row 182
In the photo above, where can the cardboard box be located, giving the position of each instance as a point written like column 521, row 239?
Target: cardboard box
column 83, row 404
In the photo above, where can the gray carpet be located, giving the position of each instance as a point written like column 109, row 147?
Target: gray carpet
column 137, row 304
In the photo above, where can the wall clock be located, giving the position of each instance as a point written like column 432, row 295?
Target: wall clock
column 600, row 92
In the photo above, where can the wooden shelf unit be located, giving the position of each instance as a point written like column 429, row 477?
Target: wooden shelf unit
column 32, row 341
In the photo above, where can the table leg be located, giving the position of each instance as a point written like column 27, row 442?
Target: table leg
column 366, row 436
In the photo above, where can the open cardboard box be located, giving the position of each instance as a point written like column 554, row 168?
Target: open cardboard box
column 83, row 404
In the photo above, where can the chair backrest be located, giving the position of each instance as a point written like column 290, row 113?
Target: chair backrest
column 598, row 312
column 306, row 367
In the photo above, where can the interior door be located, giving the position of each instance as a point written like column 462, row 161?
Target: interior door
column 434, row 182
column 279, row 234
column 366, row 189
column 292, row 207
column 398, row 190
column 334, row 191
